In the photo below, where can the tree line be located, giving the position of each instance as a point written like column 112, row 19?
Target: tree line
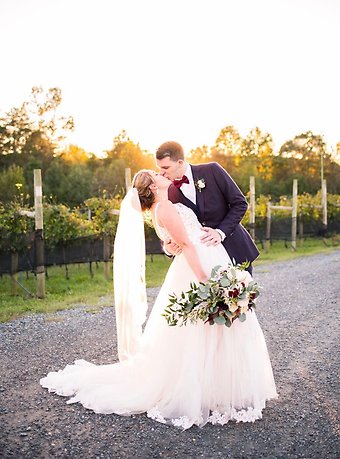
column 32, row 136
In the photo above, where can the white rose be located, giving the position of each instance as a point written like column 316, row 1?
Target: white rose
column 230, row 276
column 243, row 276
column 233, row 307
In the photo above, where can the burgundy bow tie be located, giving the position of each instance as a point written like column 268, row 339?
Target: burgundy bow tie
column 178, row 183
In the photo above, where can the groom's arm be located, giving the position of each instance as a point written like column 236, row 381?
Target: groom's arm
column 234, row 198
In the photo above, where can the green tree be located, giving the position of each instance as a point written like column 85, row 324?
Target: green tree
column 44, row 113
column 75, row 186
column 12, row 184
column 303, row 158
column 199, row 155
column 33, row 130
column 14, row 228
column 109, row 178
column 75, row 155
column 131, row 154
column 61, row 224
column 229, row 142
column 15, row 128
column 227, row 148
column 257, row 147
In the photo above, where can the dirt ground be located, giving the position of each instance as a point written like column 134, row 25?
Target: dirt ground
column 298, row 311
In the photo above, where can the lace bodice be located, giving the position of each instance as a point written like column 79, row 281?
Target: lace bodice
column 192, row 225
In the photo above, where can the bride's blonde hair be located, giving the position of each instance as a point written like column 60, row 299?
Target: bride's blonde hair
column 142, row 181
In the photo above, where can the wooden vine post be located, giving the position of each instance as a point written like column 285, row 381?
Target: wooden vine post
column 268, row 225
column 14, row 273
column 106, row 256
column 292, row 208
column 252, row 207
column 39, row 238
column 106, row 239
column 294, row 213
column 324, row 204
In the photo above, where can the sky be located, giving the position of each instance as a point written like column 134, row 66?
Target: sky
column 177, row 69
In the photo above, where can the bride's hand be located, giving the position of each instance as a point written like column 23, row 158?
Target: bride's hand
column 171, row 247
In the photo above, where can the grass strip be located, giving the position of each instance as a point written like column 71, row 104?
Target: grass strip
column 97, row 292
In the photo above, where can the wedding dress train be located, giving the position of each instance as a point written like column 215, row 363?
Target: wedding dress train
column 182, row 376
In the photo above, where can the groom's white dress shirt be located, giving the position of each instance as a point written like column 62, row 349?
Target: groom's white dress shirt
column 188, row 189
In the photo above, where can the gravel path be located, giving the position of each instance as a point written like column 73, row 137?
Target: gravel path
column 304, row 348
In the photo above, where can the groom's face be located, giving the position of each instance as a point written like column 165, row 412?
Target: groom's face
column 171, row 169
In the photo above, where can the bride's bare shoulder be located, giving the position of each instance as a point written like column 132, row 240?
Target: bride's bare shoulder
column 165, row 209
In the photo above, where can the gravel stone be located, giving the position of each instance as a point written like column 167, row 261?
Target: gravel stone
column 298, row 311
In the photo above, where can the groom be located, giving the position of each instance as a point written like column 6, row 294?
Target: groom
column 214, row 197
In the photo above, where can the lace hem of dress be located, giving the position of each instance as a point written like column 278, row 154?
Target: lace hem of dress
column 245, row 415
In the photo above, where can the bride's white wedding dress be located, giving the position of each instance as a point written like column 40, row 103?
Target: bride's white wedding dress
column 181, row 375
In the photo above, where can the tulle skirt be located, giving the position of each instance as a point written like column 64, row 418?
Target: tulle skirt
column 182, row 376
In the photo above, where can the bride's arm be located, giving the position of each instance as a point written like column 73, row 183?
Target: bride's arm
column 168, row 217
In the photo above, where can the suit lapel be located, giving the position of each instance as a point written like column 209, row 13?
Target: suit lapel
column 199, row 194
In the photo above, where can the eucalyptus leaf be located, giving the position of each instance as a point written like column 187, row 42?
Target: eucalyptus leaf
column 203, row 295
column 219, row 320
column 215, row 270
column 224, row 282
column 242, row 317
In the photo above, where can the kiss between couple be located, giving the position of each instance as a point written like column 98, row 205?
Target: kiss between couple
column 186, row 375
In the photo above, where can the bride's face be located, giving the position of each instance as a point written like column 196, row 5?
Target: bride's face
column 159, row 180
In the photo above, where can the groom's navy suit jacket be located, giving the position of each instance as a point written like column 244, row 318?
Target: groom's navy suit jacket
column 220, row 204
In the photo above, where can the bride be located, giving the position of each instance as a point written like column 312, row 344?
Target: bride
column 181, row 376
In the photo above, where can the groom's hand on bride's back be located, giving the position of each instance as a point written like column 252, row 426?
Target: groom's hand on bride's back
column 210, row 236
column 171, row 248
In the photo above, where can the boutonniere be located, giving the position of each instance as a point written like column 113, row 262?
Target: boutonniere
column 200, row 184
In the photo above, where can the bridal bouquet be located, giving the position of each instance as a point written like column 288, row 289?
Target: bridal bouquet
column 227, row 295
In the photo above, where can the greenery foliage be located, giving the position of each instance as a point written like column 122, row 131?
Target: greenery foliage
column 103, row 220
column 76, row 181
column 61, row 224
column 31, row 137
column 14, row 228
column 309, row 207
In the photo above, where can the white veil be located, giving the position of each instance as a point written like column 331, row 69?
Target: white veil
column 129, row 275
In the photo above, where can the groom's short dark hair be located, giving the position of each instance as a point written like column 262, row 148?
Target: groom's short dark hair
column 172, row 150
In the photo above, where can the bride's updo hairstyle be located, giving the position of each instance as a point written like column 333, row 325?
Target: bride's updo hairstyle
column 142, row 181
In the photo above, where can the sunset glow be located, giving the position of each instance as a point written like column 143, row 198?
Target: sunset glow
column 180, row 69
